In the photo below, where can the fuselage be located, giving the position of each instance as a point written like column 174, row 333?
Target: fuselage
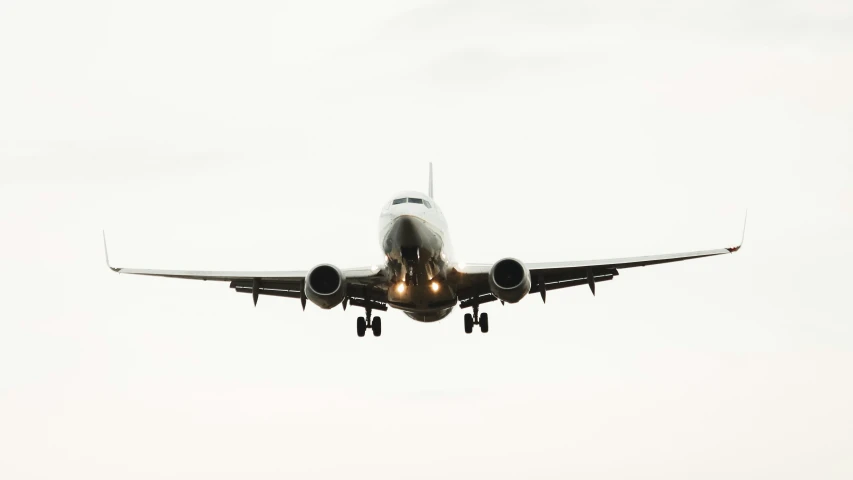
column 414, row 237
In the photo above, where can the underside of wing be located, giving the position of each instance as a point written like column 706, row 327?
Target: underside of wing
column 363, row 283
column 474, row 286
column 552, row 276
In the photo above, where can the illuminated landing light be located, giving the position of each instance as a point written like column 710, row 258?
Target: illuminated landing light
column 434, row 286
column 401, row 287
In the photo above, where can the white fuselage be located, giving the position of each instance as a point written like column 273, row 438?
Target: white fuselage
column 414, row 237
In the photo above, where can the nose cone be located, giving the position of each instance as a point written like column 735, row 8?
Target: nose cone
column 408, row 231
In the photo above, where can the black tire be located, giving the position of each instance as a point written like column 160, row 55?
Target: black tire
column 360, row 326
column 469, row 323
column 376, row 325
column 484, row 322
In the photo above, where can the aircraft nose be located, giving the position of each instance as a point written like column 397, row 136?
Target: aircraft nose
column 407, row 231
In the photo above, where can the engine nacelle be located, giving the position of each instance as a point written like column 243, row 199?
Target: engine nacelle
column 325, row 286
column 509, row 280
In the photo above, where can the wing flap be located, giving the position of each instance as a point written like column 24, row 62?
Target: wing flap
column 275, row 288
column 571, row 283
column 274, row 293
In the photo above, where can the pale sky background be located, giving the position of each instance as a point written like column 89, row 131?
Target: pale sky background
column 267, row 135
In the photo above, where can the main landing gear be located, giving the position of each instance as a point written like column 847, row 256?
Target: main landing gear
column 363, row 324
column 481, row 319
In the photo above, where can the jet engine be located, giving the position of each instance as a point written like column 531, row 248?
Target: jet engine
column 509, row 280
column 325, row 286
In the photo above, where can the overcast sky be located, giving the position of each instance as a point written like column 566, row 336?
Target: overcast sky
column 267, row 135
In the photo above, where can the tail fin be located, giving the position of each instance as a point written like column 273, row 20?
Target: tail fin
column 430, row 180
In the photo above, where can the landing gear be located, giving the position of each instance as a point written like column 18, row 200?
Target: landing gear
column 484, row 322
column 481, row 319
column 469, row 323
column 374, row 324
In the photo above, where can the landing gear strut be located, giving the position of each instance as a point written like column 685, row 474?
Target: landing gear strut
column 481, row 319
column 362, row 324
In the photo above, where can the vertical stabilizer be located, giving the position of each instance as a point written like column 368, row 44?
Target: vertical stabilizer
column 430, row 180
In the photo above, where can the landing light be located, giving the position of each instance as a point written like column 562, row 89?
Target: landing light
column 434, row 286
column 401, row 287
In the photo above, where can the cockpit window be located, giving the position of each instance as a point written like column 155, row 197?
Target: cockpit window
column 419, row 201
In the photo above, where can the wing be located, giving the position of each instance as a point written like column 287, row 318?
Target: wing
column 361, row 282
column 473, row 279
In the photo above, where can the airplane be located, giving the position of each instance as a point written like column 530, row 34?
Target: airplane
column 420, row 275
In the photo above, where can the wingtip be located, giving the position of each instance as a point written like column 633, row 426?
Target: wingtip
column 742, row 235
column 107, row 253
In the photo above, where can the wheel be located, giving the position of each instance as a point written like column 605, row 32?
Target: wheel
column 469, row 323
column 360, row 326
column 376, row 325
column 484, row 322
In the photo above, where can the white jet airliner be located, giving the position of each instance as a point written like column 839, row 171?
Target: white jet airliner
column 420, row 275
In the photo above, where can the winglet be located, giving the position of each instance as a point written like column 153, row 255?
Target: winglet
column 107, row 253
column 742, row 236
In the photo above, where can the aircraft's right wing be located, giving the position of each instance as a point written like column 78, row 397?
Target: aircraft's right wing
column 361, row 282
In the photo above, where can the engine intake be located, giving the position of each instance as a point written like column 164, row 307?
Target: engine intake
column 325, row 286
column 509, row 280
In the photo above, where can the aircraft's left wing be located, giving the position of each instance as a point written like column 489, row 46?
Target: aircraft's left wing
column 473, row 279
